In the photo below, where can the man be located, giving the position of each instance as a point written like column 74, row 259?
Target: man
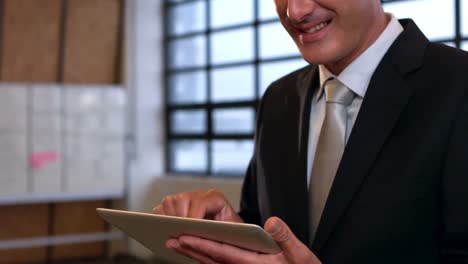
column 363, row 158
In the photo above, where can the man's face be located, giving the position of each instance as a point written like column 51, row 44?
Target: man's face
column 332, row 32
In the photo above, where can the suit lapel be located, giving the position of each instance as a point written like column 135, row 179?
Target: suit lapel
column 290, row 201
column 386, row 97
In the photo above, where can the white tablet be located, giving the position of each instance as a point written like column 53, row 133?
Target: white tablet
column 154, row 230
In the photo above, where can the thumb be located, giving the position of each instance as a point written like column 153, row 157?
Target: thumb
column 283, row 236
column 293, row 249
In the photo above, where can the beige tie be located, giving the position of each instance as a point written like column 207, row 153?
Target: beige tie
column 330, row 148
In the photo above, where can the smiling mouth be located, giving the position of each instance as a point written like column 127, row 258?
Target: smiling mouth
column 309, row 33
column 317, row 28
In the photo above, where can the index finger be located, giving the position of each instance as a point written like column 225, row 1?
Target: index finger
column 211, row 203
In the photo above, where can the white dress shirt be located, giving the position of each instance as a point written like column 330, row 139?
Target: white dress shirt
column 356, row 76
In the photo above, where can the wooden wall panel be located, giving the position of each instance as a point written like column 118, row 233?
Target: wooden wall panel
column 23, row 221
column 92, row 41
column 78, row 218
column 95, row 250
column 30, row 48
column 23, row 256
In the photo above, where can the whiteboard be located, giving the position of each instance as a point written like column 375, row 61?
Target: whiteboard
column 13, row 140
column 94, row 139
column 46, row 147
column 61, row 141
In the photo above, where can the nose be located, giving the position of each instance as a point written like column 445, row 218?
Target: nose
column 299, row 10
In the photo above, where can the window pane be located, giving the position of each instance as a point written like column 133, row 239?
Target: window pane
column 186, row 18
column 227, row 47
column 464, row 17
column 267, row 9
column 187, row 87
column 225, row 13
column 231, row 156
column 275, row 41
column 269, row 72
column 464, row 45
column 188, row 121
column 187, row 52
column 434, row 17
column 234, row 120
column 231, row 84
column 189, row 155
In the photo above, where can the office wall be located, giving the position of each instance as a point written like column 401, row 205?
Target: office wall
column 144, row 78
column 30, row 41
column 57, row 41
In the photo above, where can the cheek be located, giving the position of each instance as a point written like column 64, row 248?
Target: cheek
column 352, row 20
column 346, row 33
column 281, row 7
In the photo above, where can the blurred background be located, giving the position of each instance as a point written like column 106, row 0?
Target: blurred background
column 117, row 103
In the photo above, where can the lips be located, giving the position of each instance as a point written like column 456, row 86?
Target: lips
column 316, row 28
column 313, row 32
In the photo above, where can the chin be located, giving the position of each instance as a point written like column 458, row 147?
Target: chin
column 316, row 58
column 319, row 55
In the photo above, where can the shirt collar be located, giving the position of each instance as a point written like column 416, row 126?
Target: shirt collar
column 357, row 75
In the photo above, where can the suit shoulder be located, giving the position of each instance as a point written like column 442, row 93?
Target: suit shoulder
column 288, row 82
column 445, row 70
column 446, row 58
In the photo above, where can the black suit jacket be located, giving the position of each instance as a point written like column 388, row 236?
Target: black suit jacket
column 400, row 194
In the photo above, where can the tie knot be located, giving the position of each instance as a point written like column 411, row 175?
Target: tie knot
column 336, row 92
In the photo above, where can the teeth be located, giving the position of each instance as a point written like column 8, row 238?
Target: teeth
column 317, row 28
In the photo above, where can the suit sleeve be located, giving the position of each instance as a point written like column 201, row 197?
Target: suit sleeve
column 455, row 192
column 249, row 206
column 249, row 210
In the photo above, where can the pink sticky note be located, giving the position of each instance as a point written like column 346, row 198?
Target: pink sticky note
column 40, row 159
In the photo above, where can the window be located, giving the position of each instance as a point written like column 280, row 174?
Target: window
column 221, row 55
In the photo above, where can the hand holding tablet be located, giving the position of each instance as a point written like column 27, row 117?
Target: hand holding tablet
column 154, row 230
column 202, row 227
